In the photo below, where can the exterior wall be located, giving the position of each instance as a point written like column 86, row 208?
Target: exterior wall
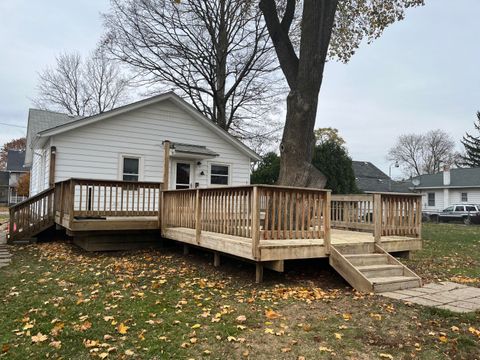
column 39, row 171
column 447, row 197
column 95, row 151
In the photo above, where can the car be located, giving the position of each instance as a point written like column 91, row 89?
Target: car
column 467, row 213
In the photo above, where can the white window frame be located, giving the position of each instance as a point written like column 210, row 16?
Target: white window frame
column 229, row 176
column 466, row 197
column 131, row 156
column 428, row 198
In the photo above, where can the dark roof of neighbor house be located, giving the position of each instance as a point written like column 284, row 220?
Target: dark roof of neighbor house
column 370, row 178
column 15, row 160
column 39, row 120
column 4, row 178
column 462, row 177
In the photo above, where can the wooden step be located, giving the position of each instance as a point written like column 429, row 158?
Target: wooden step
column 367, row 259
column 378, row 271
column 392, row 283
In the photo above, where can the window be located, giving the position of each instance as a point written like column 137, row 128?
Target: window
column 131, row 168
column 464, row 197
column 470, row 208
column 459, row 208
column 431, row 199
column 219, row 174
column 448, row 209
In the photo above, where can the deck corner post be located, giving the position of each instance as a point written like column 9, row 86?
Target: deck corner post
column 216, row 259
column 255, row 224
column 71, row 203
column 258, row 272
column 11, row 226
column 160, row 209
column 198, row 216
column 166, row 164
column 377, row 218
column 327, row 221
column 419, row 217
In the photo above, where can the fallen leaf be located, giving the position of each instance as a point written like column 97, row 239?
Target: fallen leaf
column 338, row 336
column 129, row 353
column 324, row 348
column 270, row 314
column 122, row 328
column 386, row 356
column 103, row 355
column 347, row 316
column 241, row 318
column 56, row 344
column 443, row 339
column 39, row 338
column 196, row 326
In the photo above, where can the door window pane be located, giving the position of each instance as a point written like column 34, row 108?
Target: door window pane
column 183, row 176
column 131, row 169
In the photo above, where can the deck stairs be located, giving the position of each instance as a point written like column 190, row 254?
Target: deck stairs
column 372, row 271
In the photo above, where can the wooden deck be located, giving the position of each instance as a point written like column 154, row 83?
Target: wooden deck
column 264, row 224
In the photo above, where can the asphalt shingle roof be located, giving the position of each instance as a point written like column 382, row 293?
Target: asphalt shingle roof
column 369, row 178
column 15, row 160
column 458, row 177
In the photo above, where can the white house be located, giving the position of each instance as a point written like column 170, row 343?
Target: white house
column 132, row 142
column 455, row 186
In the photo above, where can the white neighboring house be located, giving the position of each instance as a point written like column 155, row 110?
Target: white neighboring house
column 455, row 186
column 131, row 142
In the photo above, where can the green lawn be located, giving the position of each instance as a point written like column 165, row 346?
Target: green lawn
column 451, row 252
column 61, row 302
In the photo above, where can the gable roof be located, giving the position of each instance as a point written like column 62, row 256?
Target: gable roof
column 462, row 177
column 76, row 123
column 39, row 120
column 370, row 178
column 15, row 160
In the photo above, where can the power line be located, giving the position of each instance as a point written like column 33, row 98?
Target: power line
column 20, row 126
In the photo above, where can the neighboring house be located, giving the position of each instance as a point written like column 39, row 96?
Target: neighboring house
column 15, row 169
column 455, row 186
column 369, row 178
column 159, row 139
column 4, row 176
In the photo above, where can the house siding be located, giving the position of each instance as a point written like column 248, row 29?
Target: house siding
column 94, row 151
column 446, row 197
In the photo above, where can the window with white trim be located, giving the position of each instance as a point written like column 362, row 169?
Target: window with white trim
column 464, row 197
column 130, row 169
column 219, row 174
column 431, row 199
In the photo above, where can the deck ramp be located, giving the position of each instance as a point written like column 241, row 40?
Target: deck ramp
column 376, row 271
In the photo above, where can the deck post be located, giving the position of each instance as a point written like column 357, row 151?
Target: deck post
column 419, row 217
column 11, row 225
column 186, row 249
column 258, row 272
column 216, row 259
column 166, row 164
column 160, row 208
column 71, row 202
column 198, row 216
column 377, row 218
column 255, row 224
column 51, row 174
column 327, row 214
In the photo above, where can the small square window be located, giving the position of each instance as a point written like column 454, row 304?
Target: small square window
column 130, row 169
column 464, row 197
column 431, row 199
column 219, row 174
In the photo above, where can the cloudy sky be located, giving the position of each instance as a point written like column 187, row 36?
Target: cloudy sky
column 422, row 74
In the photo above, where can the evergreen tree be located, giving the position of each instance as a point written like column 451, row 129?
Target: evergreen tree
column 332, row 159
column 472, row 146
column 267, row 170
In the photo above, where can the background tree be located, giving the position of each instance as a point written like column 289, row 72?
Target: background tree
column 16, row 144
column 349, row 21
column 472, row 146
column 267, row 170
column 78, row 87
column 332, row 159
column 23, row 184
column 215, row 53
column 423, row 153
column 323, row 135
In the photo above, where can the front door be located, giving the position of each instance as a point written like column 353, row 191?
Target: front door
column 183, row 175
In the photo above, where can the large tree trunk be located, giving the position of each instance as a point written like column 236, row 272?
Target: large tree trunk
column 297, row 144
column 304, row 74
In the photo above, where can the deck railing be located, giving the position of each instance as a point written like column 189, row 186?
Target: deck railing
column 85, row 198
column 399, row 214
column 32, row 215
column 256, row 212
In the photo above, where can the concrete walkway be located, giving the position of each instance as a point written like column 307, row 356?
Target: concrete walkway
column 445, row 295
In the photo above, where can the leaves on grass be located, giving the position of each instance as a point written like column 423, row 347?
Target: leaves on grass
column 122, row 328
column 39, row 338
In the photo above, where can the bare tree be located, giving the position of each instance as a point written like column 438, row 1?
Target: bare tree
column 328, row 28
column 216, row 53
column 81, row 88
column 424, row 153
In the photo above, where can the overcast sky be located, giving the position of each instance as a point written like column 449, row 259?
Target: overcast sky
column 422, row 74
